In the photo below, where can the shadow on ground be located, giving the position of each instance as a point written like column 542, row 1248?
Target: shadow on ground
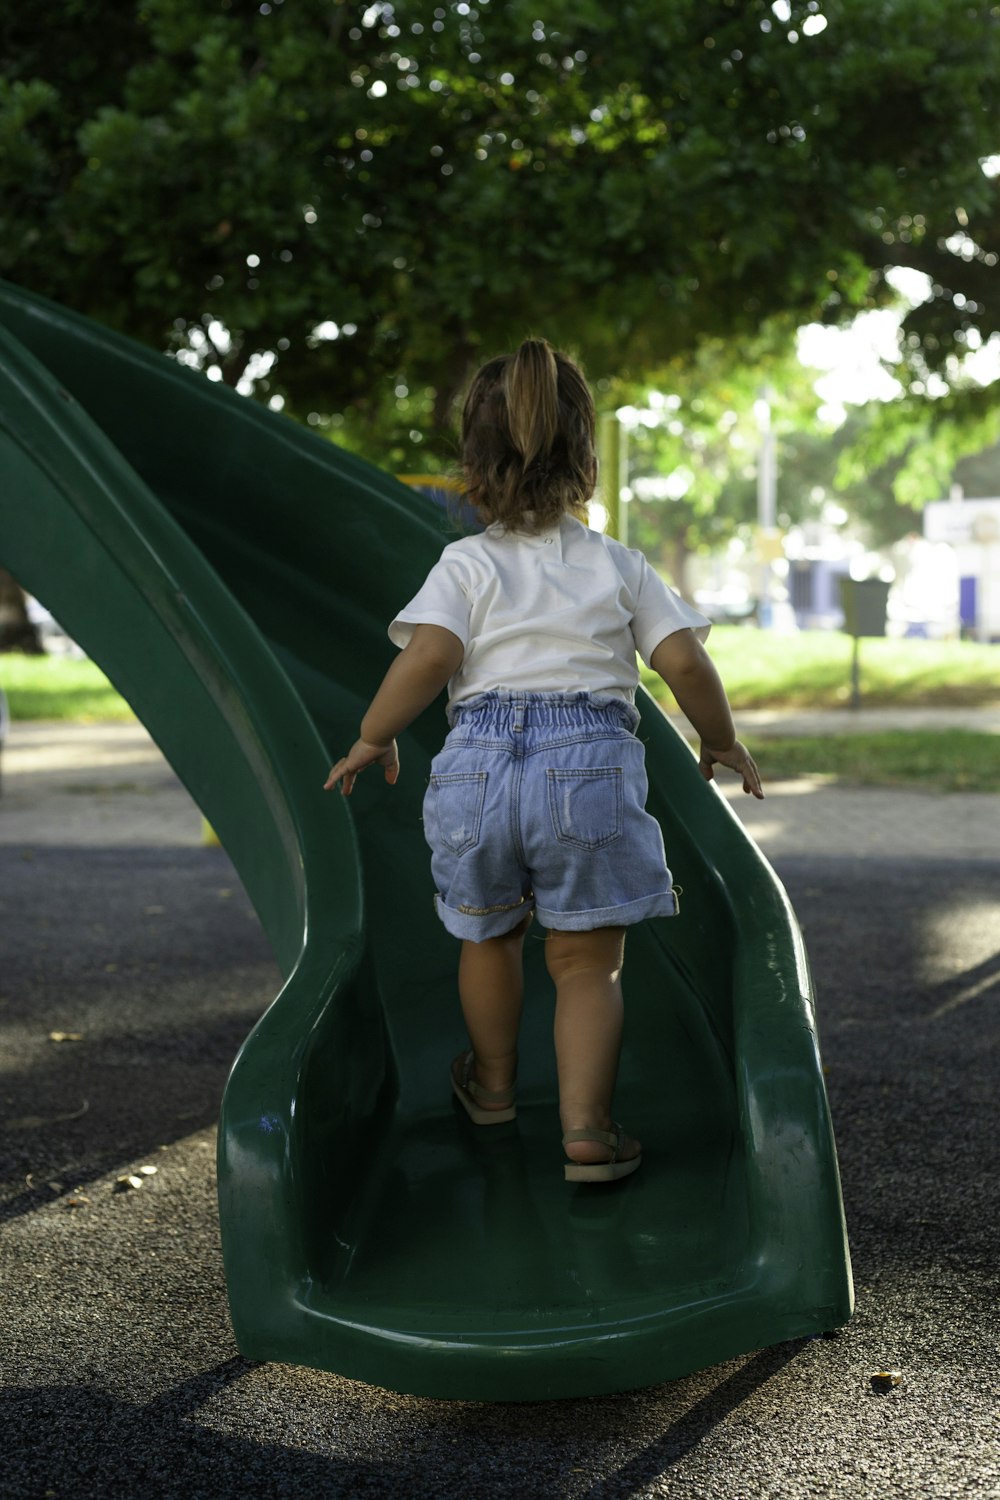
column 150, row 967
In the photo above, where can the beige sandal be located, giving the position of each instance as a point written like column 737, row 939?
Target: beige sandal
column 601, row 1171
column 467, row 1091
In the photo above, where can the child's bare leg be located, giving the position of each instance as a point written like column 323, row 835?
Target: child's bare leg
column 586, row 969
column 491, row 989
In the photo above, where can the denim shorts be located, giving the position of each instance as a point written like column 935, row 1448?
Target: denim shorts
column 536, row 803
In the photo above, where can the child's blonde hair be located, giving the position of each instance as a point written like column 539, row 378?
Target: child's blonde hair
column 528, row 438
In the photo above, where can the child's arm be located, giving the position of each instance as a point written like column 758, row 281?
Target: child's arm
column 689, row 672
column 424, row 666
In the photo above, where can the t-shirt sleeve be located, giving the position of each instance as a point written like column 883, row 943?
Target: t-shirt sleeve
column 445, row 599
column 659, row 612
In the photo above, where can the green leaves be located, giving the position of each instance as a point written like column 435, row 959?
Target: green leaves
column 444, row 175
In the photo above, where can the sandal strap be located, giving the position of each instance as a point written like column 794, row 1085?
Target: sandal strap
column 615, row 1139
column 493, row 1096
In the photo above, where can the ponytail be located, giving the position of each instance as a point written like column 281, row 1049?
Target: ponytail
column 528, row 438
column 531, row 389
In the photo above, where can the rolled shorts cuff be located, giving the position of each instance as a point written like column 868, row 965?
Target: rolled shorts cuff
column 477, row 926
column 664, row 904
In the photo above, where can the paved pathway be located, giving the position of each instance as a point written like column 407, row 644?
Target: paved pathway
column 108, row 784
column 812, row 815
column 79, row 785
column 769, row 721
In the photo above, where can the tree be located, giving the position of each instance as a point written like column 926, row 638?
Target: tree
column 17, row 630
column 342, row 206
column 694, row 445
column 812, row 468
column 694, row 441
column 979, row 474
column 946, row 410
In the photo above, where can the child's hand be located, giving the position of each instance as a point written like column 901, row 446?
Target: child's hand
column 361, row 755
column 738, row 759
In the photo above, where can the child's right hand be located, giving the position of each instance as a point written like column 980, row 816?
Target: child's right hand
column 361, row 755
column 738, row 759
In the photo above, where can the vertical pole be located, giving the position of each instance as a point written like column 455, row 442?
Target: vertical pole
column 767, row 496
column 610, row 445
column 856, row 674
column 624, row 503
column 985, row 600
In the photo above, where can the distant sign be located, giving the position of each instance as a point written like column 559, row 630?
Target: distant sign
column 962, row 521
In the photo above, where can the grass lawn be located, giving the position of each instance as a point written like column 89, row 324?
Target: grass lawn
column 762, row 669
column 59, row 687
column 759, row 668
column 953, row 760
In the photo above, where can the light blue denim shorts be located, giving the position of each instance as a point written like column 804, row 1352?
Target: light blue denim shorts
column 536, row 803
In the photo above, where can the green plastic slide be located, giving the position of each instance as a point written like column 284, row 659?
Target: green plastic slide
column 234, row 576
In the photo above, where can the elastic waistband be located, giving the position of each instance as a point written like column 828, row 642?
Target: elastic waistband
column 544, row 710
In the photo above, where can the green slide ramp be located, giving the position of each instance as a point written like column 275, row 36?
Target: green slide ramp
column 234, row 576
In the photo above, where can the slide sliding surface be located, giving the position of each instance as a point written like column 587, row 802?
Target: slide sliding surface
column 234, row 575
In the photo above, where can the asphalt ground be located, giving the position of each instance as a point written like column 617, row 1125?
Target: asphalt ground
column 133, row 966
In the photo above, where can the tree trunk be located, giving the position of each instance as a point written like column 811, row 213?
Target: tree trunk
column 674, row 558
column 17, row 633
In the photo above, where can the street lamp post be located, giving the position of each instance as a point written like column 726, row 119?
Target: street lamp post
column 614, row 474
column 767, row 497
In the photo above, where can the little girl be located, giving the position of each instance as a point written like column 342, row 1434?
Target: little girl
column 536, row 803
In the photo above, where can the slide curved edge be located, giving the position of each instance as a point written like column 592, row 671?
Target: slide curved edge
column 82, row 532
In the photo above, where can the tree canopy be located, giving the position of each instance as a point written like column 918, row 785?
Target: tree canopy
column 342, row 206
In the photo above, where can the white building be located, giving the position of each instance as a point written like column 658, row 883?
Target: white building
column 971, row 528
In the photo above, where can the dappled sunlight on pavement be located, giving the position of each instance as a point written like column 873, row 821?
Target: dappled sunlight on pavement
column 811, row 815
column 73, row 785
column 108, row 784
column 959, row 957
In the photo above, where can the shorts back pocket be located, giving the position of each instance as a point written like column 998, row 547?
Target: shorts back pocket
column 453, row 812
column 586, row 806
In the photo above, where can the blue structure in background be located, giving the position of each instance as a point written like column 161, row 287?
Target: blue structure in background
column 446, row 493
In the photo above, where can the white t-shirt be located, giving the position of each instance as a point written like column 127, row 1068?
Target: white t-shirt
column 564, row 610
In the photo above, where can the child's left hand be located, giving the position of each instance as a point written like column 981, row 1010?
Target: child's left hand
column 738, row 759
column 360, row 756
